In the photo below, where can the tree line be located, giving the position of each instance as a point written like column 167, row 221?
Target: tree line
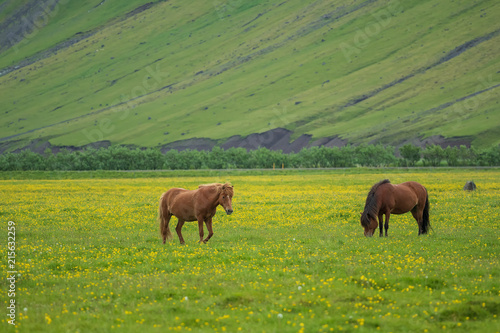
column 123, row 158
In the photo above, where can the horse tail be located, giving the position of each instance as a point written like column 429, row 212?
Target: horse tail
column 426, row 224
column 164, row 222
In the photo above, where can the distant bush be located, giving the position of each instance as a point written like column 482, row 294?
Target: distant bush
column 122, row 158
column 433, row 155
column 410, row 154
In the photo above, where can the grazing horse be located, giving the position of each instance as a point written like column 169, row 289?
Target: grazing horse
column 385, row 198
column 196, row 205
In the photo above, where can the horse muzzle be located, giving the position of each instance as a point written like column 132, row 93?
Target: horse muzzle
column 369, row 234
column 229, row 211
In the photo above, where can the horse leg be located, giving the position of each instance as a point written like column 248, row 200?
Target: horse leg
column 200, row 227
column 164, row 227
column 417, row 215
column 178, row 228
column 387, row 215
column 208, row 222
column 381, row 223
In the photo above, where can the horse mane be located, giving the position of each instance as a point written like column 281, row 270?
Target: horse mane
column 227, row 187
column 371, row 203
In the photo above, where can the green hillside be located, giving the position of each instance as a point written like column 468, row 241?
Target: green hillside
column 149, row 74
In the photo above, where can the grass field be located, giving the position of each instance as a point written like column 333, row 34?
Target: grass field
column 291, row 258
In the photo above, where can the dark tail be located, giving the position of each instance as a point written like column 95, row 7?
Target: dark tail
column 426, row 223
column 164, row 228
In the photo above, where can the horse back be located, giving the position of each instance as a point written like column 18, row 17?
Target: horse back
column 417, row 188
column 188, row 205
column 180, row 203
column 173, row 193
column 408, row 195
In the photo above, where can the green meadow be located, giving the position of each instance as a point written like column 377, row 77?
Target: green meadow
column 150, row 74
column 291, row 258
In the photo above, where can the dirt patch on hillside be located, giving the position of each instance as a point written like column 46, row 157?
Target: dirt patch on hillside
column 275, row 139
column 193, row 144
column 279, row 139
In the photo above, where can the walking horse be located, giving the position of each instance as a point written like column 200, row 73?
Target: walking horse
column 193, row 205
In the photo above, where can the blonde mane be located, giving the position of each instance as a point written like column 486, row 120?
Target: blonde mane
column 227, row 187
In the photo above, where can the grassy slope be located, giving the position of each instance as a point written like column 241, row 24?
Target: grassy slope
column 214, row 70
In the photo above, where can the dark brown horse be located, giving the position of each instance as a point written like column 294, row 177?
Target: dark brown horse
column 196, row 205
column 385, row 198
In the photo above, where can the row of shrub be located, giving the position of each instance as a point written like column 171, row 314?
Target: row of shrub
column 122, row 158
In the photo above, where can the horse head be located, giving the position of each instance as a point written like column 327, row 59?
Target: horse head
column 369, row 222
column 226, row 198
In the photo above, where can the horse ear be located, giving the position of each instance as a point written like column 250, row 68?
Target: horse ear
column 224, row 186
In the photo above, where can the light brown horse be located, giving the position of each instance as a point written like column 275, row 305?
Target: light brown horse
column 196, row 205
column 385, row 198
